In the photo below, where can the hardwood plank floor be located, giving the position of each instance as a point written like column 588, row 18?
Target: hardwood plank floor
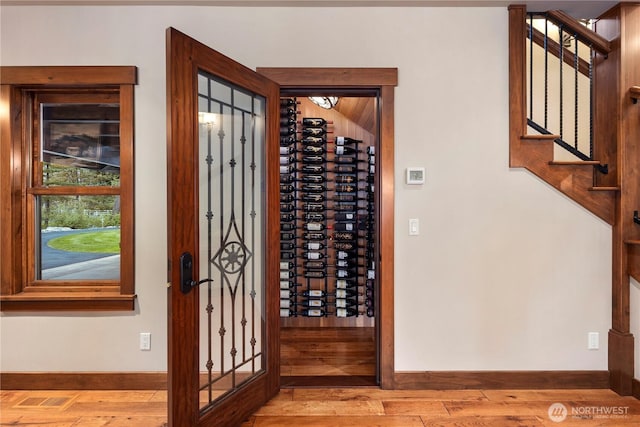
column 334, row 407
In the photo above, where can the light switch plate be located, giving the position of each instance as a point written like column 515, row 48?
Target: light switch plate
column 594, row 341
column 414, row 227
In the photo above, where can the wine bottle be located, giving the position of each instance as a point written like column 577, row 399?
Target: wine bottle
column 288, row 111
column 313, row 217
column 343, row 140
column 345, row 246
column 345, row 179
column 286, row 284
column 285, row 274
column 348, row 303
column 313, row 178
column 315, row 265
column 345, row 284
column 315, row 121
column 345, row 274
column 286, row 188
column 288, row 102
column 314, row 188
column 285, row 304
column 346, row 198
column 287, row 140
column 343, row 159
column 313, row 197
column 344, row 226
column 285, row 265
column 345, row 206
column 314, row 226
column 287, row 130
column 287, row 236
column 287, row 160
column 287, row 312
column 341, row 150
column 313, row 207
column 287, row 293
column 287, row 226
column 286, row 207
column 312, row 149
column 314, row 293
column 312, row 274
column 312, row 255
column 287, row 168
column 287, row 246
column 346, row 312
column 288, row 121
column 284, row 198
column 314, row 236
column 344, row 216
column 315, row 131
column 345, row 168
column 313, row 159
column 313, row 246
column 343, row 263
column 286, row 150
column 312, row 169
column 287, row 255
column 286, row 178
column 313, row 303
column 317, row 141
column 346, row 293
column 313, row 312
column 284, row 217
column 345, row 254
column 346, row 188
column 340, row 235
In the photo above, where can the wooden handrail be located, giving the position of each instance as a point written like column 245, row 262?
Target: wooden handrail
column 583, row 33
column 554, row 48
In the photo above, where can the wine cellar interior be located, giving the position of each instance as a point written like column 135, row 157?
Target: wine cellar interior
column 328, row 239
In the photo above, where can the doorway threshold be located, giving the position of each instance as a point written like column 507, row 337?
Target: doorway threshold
column 319, row 381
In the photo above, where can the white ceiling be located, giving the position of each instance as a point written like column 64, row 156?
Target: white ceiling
column 576, row 8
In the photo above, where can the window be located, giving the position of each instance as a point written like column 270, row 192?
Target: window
column 66, row 188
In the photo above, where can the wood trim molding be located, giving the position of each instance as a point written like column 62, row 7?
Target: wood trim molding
column 83, row 381
column 71, row 301
column 382, row 80
column 332, row 77
column 461, row 380
column 426, row 380
column 69, row 75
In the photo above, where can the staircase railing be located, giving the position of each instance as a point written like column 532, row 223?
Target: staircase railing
column 560, row 66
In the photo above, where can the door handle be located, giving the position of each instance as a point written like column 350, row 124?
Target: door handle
column 186, row 274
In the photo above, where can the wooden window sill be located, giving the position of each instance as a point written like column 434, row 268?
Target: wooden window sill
column 67, row 301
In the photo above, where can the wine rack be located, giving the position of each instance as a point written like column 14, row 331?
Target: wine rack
column 327, row 219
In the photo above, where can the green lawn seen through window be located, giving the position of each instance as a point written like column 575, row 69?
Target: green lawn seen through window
column 107, row 241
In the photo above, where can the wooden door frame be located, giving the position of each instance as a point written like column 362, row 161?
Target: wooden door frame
column 382, row 80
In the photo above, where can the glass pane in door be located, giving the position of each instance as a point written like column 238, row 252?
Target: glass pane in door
column 231, row 258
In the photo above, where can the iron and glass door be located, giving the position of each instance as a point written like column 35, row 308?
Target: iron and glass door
column 223, row 219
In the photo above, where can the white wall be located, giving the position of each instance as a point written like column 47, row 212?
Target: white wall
column 506, row 274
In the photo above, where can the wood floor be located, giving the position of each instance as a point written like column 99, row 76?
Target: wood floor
column 338, row 355
column 335, row 407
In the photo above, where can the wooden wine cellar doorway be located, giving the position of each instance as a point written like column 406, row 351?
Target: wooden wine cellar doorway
column 336, row 204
